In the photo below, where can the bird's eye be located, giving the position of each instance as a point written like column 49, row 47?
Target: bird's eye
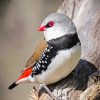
column 50, row 24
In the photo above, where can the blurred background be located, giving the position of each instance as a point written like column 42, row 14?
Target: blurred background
column 19, row 20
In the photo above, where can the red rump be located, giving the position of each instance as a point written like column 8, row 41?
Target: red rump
column 26, row 73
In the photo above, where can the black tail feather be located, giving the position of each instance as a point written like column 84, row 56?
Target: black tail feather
column 12, row 86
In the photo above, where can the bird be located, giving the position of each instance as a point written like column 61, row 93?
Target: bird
column 58, row 57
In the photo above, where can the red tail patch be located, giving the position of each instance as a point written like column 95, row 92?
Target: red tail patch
column 26, row 73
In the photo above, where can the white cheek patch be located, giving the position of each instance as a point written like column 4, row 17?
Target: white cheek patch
column 53, row 33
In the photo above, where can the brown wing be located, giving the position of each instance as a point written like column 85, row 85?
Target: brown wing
column 35, row 56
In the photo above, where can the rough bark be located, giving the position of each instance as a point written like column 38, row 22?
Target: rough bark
column 86, row 76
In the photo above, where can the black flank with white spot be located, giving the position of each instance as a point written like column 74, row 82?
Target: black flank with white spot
column 44, row 61
column 54, row 45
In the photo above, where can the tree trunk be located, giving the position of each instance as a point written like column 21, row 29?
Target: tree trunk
column 84, row 82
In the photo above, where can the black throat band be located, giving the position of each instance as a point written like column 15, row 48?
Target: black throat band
column 64, row 42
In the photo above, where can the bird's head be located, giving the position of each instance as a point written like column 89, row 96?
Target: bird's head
column 57, row 25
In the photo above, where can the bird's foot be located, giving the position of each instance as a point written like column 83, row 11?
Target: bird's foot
column 48, row 91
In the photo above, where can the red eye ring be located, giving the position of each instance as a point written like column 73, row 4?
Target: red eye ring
column 51, row 23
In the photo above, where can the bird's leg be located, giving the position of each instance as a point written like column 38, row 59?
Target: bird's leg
column 46, row 88
column 48, row 91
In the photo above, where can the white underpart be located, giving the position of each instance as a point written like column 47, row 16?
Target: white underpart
column 63, row 64
column 23, row 80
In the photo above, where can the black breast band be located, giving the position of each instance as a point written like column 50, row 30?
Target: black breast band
column 64, row 42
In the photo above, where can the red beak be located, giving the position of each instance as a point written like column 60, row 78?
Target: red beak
column 41, row 28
